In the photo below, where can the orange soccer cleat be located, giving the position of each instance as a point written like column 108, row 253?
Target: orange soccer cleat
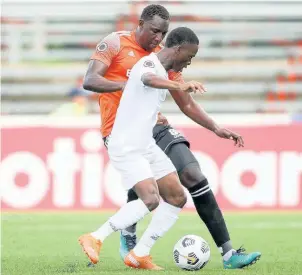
column 145, row 262
column 91, row 247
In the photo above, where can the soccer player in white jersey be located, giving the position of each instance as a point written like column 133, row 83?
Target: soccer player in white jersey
column 134, row 153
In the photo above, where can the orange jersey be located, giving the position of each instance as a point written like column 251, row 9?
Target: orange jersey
column 119, row 51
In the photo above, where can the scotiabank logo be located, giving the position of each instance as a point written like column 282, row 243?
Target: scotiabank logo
column 249, row 179
column 71, row 171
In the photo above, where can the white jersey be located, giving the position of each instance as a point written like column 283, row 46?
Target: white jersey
column 138, row 109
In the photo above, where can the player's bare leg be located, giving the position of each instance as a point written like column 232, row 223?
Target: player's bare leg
column 172, row 193
column 163, row 219
column 171, row 190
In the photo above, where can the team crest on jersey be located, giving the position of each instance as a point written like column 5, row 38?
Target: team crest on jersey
column 149, row 63
column 102, row 47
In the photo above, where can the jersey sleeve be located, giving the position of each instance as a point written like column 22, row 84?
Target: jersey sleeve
column 176, row 76
column 147, row 66
column 107, row 49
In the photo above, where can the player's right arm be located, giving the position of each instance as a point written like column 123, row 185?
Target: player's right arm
column 96, row 82
column 152, row 80
column 100, row 61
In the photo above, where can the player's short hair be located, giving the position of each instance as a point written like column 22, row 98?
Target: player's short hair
column 181, row 35
column 150, row 11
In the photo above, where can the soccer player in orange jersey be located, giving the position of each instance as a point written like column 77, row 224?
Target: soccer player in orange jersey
column 107, row 73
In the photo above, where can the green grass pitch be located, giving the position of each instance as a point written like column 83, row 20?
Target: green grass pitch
column 46, row 243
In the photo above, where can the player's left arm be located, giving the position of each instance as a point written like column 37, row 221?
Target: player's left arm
column 194, row 111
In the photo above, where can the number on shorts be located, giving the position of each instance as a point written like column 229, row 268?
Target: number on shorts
column 174, row 133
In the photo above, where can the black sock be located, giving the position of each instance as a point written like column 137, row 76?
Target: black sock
column 226, row 247
column 209, row 211
column 131, row 195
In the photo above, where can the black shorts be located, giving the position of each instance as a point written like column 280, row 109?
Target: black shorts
column 176, row 147
column 166, row 136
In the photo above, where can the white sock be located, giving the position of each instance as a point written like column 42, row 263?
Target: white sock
column 163, row 219
column 228, row 255
column 128, row 214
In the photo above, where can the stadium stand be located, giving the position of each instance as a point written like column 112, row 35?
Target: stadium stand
column 250, row 58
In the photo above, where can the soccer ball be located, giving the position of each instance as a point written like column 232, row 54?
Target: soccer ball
column 191, row 252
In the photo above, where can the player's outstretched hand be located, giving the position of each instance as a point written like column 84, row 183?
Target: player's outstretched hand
column 225, row 133
column 192, row 87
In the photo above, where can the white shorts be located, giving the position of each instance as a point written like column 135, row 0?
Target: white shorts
column 138, row 166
